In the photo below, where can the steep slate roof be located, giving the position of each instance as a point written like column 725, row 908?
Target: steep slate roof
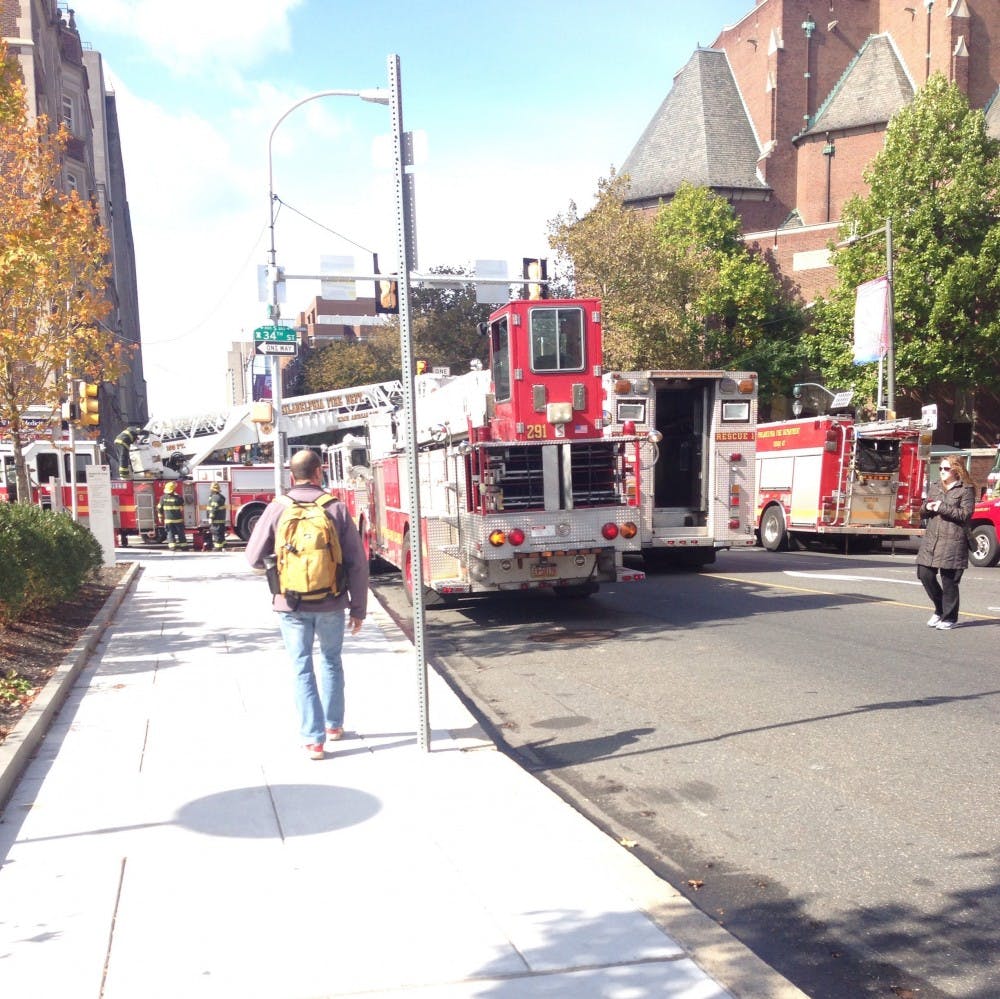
column 873, row 88
column 701, row 133
column 993, row 116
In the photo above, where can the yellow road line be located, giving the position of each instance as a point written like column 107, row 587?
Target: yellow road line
column 856, row 596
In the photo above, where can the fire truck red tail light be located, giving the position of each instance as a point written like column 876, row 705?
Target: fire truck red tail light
column 734, row 496
column 831, row 441
column 610, row 532
column 498, row 539
column 515, row 536
column 736, row 456
column 628, row 428
column 734, row 524
column 629, row 530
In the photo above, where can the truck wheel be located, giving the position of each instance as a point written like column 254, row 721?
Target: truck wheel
column 773, row 535
column 987, row 549
column 247, row 522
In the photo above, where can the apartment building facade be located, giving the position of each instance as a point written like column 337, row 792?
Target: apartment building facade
column 65, row 82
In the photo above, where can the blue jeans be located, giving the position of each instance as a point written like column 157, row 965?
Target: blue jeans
column 320, row 706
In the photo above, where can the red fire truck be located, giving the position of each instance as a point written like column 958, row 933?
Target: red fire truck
column 520, row 486
column 829, row 476
column 696, row 473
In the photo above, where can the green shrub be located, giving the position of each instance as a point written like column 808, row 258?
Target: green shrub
column 45, row 557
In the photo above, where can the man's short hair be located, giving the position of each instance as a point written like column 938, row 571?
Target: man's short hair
column 304, row 464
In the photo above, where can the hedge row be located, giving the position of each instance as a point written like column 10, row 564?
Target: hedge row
column 45, row 557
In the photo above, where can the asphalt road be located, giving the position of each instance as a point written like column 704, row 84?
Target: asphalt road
column 784, row 740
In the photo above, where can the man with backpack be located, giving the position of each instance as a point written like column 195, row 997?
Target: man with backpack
column 317, row 569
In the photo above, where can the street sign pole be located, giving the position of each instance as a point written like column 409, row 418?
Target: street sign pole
column 406, row 243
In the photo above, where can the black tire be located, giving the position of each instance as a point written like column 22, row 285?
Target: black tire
column 987, row 550
column 773, row 535
column 248, row 521
column 664, row 559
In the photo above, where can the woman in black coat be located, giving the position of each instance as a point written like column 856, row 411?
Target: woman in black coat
column 943, row 548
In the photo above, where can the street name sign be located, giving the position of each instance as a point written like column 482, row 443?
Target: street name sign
column 275, row 334
column 270, row 347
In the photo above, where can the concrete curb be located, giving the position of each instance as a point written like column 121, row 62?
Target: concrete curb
column 18, row 748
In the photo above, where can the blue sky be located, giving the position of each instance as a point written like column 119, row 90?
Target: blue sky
column 520, row 107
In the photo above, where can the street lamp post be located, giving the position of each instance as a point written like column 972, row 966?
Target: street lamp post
column 374, row 96
column 890, row 351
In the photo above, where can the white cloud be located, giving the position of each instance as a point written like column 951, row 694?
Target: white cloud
column 188, row 35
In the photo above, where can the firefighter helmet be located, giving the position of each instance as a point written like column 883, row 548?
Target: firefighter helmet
column 170, row 487
column 215, row 488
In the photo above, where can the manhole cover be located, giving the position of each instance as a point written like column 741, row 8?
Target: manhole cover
column 581, row 635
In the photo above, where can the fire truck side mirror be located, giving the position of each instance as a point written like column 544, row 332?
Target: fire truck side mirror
column 484, row 329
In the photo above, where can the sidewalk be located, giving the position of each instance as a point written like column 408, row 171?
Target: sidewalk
column 171, row 838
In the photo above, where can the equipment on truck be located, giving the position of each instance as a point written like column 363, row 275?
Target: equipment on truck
column 828, row 475
column 520, row 486
column 694, row 475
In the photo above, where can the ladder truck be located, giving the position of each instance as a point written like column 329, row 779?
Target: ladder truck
column 695, row 474
column 520, row 486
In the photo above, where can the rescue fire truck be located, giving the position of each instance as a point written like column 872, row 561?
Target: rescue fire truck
column 829, row 476
column 520, row 488
column 694, row 475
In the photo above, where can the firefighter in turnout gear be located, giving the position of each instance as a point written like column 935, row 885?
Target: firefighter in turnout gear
column 171, row 508
column 217, row 516
column 123, row 442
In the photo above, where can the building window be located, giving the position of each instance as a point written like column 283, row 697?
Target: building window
column 67, row 111
column 72, row 184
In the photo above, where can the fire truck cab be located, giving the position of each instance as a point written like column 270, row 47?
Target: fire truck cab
column 49, row 470
column 828, row 475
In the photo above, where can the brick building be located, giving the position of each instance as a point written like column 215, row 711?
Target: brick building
column 65, row 82
column 783, row 112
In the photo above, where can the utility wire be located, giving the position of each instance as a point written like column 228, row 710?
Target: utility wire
column 339, row 235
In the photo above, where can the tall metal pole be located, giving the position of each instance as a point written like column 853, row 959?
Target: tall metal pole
column 409, row 404
column 890, row 354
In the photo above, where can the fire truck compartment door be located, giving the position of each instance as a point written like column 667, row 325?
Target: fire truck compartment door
column 805, row 488
column 873, row 503
column 145, row 510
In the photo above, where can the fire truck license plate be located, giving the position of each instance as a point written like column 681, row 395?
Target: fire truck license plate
column 543, row 571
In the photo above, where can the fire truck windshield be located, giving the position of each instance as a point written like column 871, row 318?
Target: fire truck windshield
column 557, row 339
column 500, row 359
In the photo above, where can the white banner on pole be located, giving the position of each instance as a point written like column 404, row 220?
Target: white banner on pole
column 871, row 321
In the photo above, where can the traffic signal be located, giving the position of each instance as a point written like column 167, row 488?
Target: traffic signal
column 535, row 269
column 89, row 410
column 421, row 367
column 386, row 293
column 387, row 298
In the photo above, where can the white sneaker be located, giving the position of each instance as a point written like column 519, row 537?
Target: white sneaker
column 946, row 625
column 933, row 621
